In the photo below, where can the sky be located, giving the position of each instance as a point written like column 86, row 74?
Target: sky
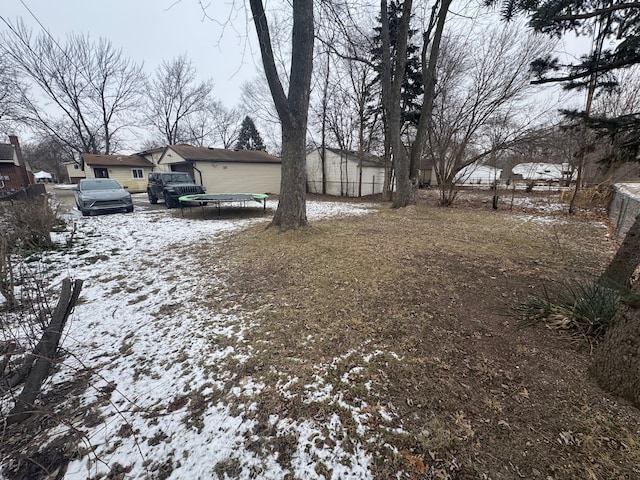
column 150, row 31
column 221, row 43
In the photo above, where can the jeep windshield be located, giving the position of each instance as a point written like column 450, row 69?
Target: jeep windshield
column 178, row 178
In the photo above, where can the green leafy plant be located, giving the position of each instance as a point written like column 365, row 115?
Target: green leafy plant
column 585, row 306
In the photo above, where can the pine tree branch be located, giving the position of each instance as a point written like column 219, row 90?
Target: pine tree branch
column 596, row 13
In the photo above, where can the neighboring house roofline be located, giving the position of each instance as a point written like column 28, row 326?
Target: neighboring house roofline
column 218, row 155
column 368, row 160
column 116, row 160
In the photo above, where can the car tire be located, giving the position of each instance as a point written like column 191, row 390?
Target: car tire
column 168, row 201
column 152, row 199
column 130, row 209
column 85, row 213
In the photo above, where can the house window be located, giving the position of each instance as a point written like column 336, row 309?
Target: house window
column 100, row 173
column 137, row 173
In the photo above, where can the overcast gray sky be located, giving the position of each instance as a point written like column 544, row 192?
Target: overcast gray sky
column 152, row 30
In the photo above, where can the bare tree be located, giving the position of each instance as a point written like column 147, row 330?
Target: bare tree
column 480, row 100
column 12, row 92
column 344, row 107
column 48, row 154
column 257, row 101
column 226, row 124
column 175, row 98
column 292, row 107
column 92, row 89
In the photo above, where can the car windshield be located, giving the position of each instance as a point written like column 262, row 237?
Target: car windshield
column 102, row 184
column 178, row 177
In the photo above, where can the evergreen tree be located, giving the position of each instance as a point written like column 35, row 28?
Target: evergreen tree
column 249, row 138
column 412, row 85
column 615, row 27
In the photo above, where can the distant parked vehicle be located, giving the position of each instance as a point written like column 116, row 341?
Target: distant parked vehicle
column 170, row 186
column 101, row 195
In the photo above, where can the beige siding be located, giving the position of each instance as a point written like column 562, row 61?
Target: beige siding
column 239, row 177
column 170, row 157
column 124, row 176
column 74, row 172
column 153, row 158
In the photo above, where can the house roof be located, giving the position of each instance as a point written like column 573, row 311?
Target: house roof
column 204, row 154
column 116, row 160
column 6, row 152
column 369, row 159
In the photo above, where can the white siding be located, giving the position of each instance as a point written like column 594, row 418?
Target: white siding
column 342, row 175
column 239, row 177
column 478, row 175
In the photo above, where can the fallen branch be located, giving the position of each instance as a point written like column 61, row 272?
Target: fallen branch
column 38, row 364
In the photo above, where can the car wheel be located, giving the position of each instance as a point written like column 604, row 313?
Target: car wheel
column 130, row 209
column 168, row 201
column 85, row 213
column 152, row 199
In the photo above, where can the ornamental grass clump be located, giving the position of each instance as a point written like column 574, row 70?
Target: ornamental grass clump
column 583, row 306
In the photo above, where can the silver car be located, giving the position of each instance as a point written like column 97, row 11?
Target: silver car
column 102, row 195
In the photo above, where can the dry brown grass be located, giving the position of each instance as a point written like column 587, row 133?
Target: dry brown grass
column 427, row 294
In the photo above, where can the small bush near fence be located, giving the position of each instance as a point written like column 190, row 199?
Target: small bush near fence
column 582, row 306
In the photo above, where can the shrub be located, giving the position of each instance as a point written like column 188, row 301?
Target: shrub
column 584, row 306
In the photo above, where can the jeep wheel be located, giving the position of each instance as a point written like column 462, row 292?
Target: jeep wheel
column 152, row 199
column 168, row 201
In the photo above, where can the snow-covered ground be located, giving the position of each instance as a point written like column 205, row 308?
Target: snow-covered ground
column 155, row 353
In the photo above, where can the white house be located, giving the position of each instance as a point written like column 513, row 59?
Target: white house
column 475, row 174
column 552, row 172
column 220, row 170
column 345, row 173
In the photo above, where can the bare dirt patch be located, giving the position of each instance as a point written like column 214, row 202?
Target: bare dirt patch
column 409, row 315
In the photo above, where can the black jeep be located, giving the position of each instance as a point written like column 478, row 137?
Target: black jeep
column 170, row 186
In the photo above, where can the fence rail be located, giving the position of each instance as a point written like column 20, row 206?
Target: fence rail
column 31, row 191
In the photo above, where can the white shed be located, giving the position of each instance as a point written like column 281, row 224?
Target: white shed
column 343, row 175
column 43, row 177
column 553, row 172
column 475, row 174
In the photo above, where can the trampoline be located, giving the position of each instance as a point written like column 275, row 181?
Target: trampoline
column 204, row 199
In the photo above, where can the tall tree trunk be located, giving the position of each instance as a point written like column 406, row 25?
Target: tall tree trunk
column 429, row 64
column 292, row 209
column 616, row 363
column 391, row 99
column 293, row 108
